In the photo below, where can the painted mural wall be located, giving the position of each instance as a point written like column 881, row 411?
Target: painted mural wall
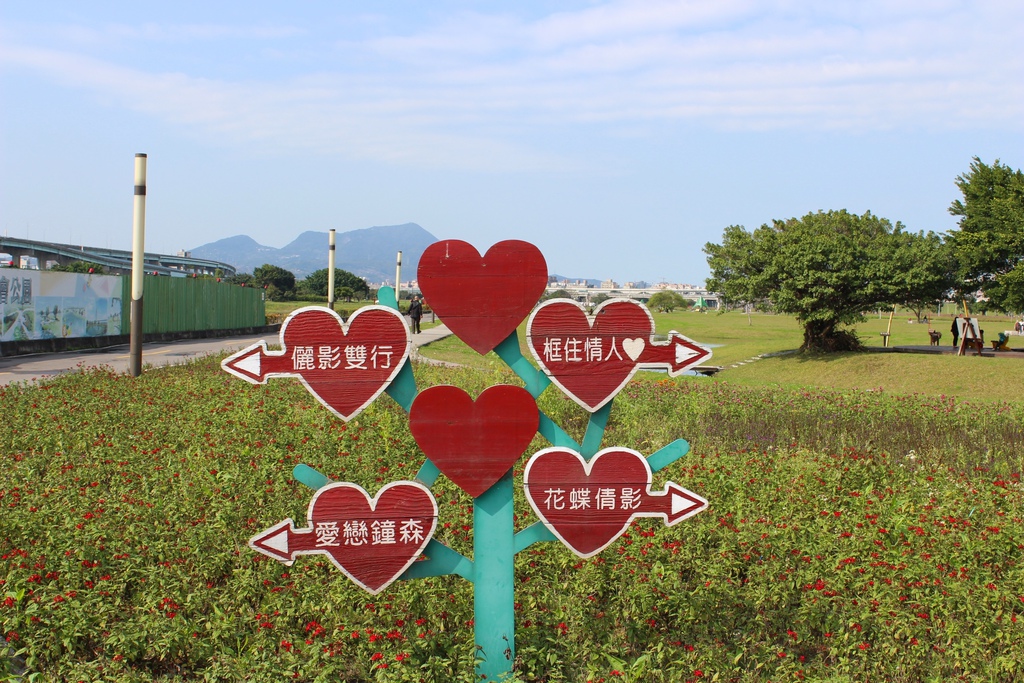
column 42, row 305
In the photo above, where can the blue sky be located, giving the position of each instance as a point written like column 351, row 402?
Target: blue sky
column 619, row 137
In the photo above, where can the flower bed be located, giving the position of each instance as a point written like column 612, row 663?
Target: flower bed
column 851, row 536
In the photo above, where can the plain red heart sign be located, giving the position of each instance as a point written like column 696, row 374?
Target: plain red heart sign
column 482, row 299
column 372, row 540
column 344, row 366
column 474, row 443
column 588, row 505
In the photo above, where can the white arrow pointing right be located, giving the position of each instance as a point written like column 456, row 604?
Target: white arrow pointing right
column 684, row 353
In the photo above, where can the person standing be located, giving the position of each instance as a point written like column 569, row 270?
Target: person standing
column 955, row 329
column 416, row 313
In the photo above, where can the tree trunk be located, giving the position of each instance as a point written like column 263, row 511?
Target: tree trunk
column 825, row 337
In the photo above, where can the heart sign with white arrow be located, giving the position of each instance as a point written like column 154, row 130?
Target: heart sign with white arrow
column 591, row 357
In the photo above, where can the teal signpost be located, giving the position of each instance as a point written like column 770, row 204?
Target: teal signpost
column 583, row 496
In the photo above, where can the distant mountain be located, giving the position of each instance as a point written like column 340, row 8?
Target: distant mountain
column 369, row 252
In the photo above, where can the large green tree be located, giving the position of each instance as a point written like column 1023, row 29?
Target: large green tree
column 989, row 246
column 279, row 283
column 316, row 283
column 826, row 268
column 666, row 301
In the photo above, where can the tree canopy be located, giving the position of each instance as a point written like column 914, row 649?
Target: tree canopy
column 826, row 268
column 989, row 245
column 279, row 283
column 666, row 301
column 81, row 267
column 558, row 294
column 243, row 279
column 924, row 270
column 316, row 284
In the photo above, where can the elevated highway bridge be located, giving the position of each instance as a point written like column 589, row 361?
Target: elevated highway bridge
column 116, row 261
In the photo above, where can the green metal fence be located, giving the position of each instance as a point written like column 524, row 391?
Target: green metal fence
column 172, row 304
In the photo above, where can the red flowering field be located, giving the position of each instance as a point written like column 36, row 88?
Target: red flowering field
column 850, row 537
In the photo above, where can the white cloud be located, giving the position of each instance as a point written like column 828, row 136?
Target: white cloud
column 466, row 92
column 165, row 33
column 628, row 59
column 308, row 114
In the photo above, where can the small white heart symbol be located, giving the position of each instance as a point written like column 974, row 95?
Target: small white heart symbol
column 633, row 347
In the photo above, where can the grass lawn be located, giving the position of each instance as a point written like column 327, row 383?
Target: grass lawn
column 969, row 377
column 737, row 337
column 281, row 309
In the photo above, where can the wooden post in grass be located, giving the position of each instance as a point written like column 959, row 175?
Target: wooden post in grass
column 888, row 329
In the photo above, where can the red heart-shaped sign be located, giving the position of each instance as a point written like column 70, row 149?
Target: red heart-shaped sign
column 474, row 443
column 482, row 299
column 590, row 358
column 344, row 366
column 588, row 505
column 372, row 540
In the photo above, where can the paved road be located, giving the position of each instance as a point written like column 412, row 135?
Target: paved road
column 39, row 367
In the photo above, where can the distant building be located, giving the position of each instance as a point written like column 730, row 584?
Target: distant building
column 584, row 293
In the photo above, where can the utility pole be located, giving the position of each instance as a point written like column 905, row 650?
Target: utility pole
column 330, row 269
column 398, row 282
column 138, row 266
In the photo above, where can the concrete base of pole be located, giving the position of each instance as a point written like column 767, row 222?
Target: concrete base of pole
column 135, row 340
